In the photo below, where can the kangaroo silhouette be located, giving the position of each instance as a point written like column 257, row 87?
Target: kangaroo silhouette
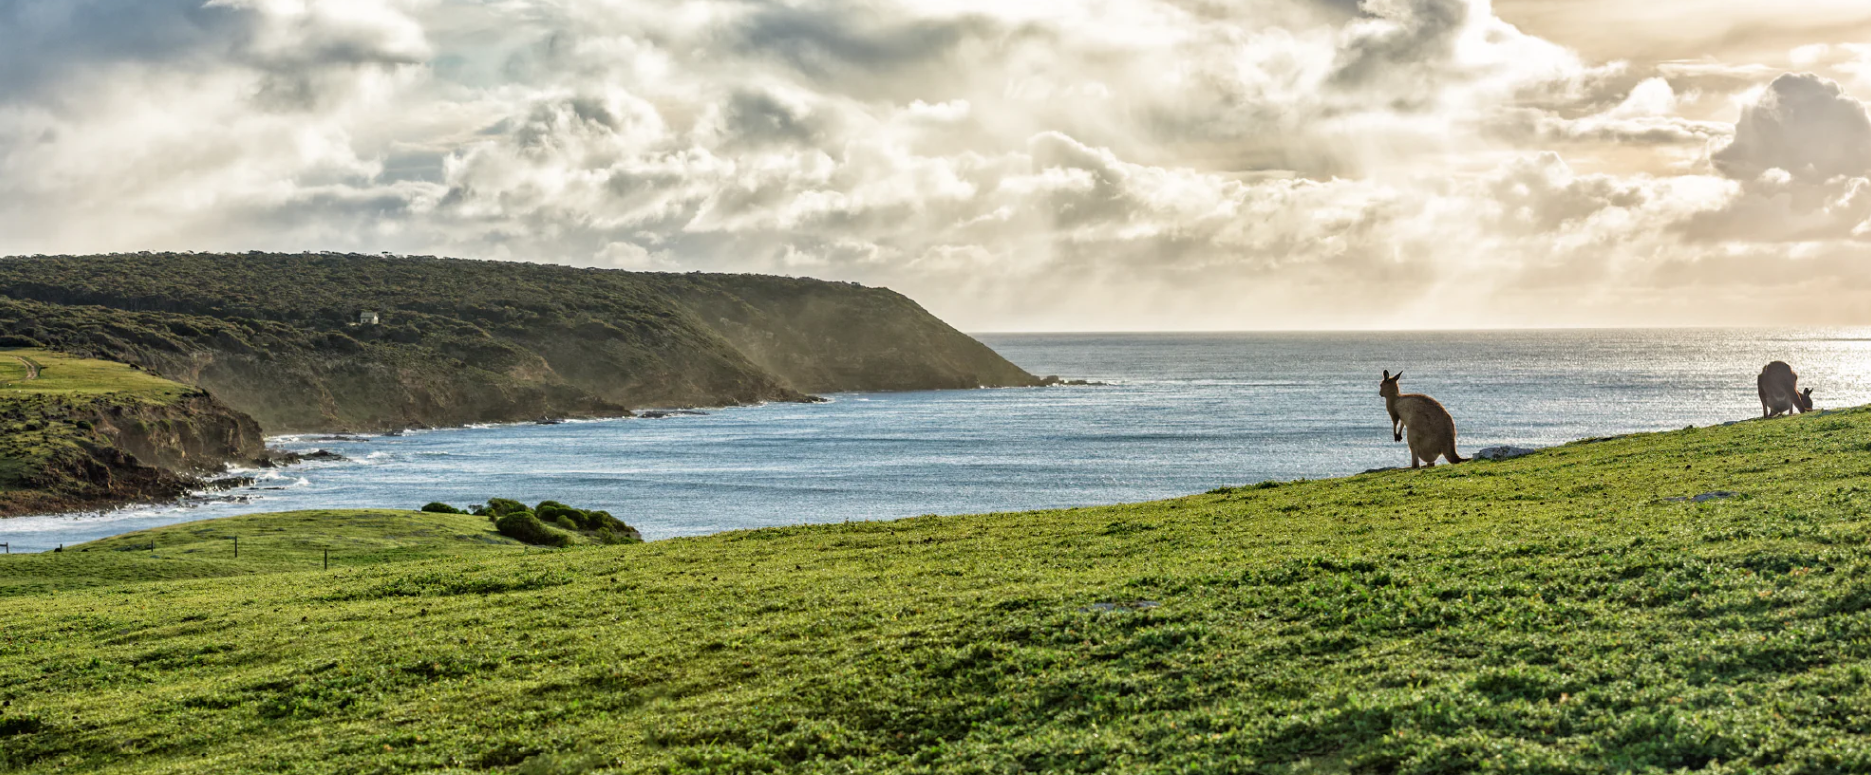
column 1432, row 430
column 1780, row 392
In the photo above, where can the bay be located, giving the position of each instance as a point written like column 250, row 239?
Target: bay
column 1182, row 413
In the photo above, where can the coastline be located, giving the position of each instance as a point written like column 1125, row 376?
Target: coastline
column 448, row 455
column 203, row 497
column 1558, row 601
column 1185, row 415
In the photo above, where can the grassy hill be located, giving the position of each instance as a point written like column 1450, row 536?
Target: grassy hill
column 267, row 543
column 1562, row 612
column 273, row 335
column 77, row 432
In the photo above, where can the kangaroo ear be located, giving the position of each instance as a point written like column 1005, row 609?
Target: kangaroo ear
column 1386, row 374
column 1399, row 375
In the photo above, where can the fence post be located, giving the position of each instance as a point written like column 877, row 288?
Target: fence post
column 8, row 547
column 236, row 547
column 327, row 559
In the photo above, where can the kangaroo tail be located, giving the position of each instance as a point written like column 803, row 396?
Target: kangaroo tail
column 1454, row 458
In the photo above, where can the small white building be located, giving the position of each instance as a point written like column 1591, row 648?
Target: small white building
column 366, row 318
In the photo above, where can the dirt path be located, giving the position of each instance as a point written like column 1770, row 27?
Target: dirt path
column 32, row 369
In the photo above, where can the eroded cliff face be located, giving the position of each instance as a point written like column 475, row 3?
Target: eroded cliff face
column 89, row 477
column 378, row 389
column 108, row 452
column 193, row 436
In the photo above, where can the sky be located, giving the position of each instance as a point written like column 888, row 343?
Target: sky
column 1099, row 165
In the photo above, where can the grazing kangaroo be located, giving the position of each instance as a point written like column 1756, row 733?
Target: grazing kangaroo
column 1432, row 430
column 1780, row 393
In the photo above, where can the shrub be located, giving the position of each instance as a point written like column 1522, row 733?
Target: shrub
column 552, row 510
column 598, row 526
column 500, row 507
column 611, row 530
column 526, row 528
column 438, row 507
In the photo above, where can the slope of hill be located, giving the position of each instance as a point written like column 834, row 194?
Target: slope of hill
column 275, row 335
column 1573, row 611
column 256, row 544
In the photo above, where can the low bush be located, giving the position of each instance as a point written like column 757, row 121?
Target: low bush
column 526, row 528
column 552, row 510
column 598, row 525
column 550, row 523
column 500, row 507
column 438, row 507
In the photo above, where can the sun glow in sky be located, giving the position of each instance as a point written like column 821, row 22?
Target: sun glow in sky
column 1103, row 165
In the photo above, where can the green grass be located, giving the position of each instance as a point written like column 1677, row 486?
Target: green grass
column 13, row 367
column 1549, row 614
column 268, row 543
column 66, row 375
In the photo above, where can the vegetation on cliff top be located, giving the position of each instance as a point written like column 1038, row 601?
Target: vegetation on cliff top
column 1554, row 613
column 273, row 335
column 69, row 426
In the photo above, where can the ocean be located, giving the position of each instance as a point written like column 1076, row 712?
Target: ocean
column 1180, row 413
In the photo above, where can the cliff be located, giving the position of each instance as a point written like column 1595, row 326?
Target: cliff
column 276, row 336
column 831, row 337
column 78, row 434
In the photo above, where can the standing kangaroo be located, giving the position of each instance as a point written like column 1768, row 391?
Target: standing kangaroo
column 1780, row 393
column 1432, row 430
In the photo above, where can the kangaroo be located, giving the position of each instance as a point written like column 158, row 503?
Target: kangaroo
column 1780, row 393
column 1432, row 430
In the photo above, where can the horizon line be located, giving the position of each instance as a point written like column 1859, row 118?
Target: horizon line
column 1513, row 329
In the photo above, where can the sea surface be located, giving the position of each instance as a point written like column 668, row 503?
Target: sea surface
column 1182, row 413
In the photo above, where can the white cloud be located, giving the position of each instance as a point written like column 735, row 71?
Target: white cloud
column 1803, row 124
column 1134, row 163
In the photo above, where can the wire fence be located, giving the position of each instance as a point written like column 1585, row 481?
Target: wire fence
column 324, row 553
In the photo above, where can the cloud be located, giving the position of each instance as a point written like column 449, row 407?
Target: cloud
column 1155, row 163
column 1803, row 124
column 1648, row 115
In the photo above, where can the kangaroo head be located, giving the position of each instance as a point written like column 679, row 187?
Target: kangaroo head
column 1388, row 388
column 1806, row 400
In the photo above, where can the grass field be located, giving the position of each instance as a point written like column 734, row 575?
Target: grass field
column 267, row 543
column 1556, row 613
column 16, row 368
column 61, row 374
